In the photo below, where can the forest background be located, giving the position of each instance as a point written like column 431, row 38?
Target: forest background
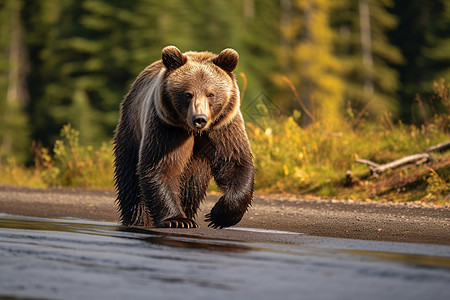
column 335, row 74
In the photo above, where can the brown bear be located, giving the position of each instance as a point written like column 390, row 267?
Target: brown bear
column 180, row 124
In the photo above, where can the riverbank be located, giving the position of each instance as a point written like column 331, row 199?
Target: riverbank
column 379, row 221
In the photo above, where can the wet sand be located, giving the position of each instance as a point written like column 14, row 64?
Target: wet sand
column 383, row 221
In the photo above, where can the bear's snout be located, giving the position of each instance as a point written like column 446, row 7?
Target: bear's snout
column 199, row 120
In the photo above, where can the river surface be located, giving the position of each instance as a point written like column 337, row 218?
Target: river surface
column 43, row 258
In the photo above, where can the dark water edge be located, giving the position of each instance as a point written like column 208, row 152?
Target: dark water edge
column 42, row 258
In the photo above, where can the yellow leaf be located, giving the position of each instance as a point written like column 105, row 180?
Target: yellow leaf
column 286, row 170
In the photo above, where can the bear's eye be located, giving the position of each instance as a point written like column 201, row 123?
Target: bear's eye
column 189, row 95
column 210, row 96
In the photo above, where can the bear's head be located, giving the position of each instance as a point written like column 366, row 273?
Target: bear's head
column 199, row 91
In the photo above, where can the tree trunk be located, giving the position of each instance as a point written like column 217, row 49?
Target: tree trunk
column 366, row 45
column 17, row 96
column 307, row 86
column 17, row 92
column 248, row 9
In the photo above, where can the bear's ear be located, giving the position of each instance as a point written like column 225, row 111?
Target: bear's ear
column 227, row 59
column 172, row 58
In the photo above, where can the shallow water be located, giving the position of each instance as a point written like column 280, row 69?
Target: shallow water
column 44, row 258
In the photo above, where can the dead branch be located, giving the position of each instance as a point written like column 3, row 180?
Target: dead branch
column 376, row 169
column 420, row 158
column 367, row 162
column 439, row 147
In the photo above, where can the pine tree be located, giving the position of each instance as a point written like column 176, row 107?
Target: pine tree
column 367, row 57
column 13, row 91
column 423, row 35
column 259, row 39
column 83, row 63
column 308, row 57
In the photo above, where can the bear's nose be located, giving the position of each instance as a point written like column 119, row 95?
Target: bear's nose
column 199, row 120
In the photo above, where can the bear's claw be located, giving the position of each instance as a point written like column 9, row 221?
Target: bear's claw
column 176, row 223
column 222, row 216
column 219, row 222
column 211, row 222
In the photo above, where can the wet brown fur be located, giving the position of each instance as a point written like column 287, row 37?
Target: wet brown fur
column 163, row 164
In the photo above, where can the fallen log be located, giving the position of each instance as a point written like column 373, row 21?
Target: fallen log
column 407, row 181
column 367, row 162
column 439, row 147
column 376, row 169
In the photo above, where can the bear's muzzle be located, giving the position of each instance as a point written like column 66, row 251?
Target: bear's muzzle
column 199, row 120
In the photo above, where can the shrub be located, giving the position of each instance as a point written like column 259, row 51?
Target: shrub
column 74, row 165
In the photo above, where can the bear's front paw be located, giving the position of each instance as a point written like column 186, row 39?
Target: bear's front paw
column 223, row 216
column 177, row 222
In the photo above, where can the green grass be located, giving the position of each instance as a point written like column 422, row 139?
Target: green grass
column 68, row 164
column 292, row 159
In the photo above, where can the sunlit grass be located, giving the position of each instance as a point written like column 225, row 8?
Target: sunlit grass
column 67, row 164
column 292, row 159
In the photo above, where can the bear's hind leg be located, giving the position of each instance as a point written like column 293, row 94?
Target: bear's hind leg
column 194, row 186
column 132, row 211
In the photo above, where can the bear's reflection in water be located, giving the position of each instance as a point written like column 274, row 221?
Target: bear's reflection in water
column 185, row 241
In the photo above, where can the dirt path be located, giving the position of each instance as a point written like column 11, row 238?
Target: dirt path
column 317, row 217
